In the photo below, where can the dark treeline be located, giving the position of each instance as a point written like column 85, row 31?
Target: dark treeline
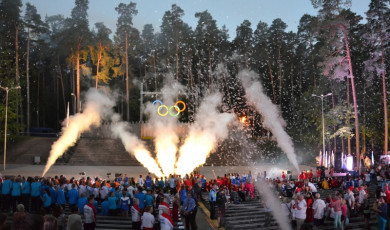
column 55, row 59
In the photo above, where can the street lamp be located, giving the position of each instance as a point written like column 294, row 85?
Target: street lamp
column 323, row 122
column 74, row 103
column 5, row 126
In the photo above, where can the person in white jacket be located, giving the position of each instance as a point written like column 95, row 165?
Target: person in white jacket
column 319, row 207
column 148, row 219
column 166, row 221
column 90, row 214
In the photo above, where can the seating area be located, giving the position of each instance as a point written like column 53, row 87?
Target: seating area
column 251, row 215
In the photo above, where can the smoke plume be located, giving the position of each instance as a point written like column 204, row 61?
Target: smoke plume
column 273, row 203
column 134, row 145
column 270, row 113
column 210, row 126
column 97, row 106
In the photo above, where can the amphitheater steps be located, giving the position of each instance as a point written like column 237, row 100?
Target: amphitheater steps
column 251, row 215
column 93, row 151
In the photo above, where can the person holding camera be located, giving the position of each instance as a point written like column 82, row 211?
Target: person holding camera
column 189, row 212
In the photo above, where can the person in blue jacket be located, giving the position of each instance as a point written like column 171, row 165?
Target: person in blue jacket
column 112, row 204
column 36, row 196
column 16, row 192
column 53, row 194
column 81, row 202
column 148, row 182
column 141, row 197
column 61, row 197
column 26, row 191
column 73, row 195
column 47, row 201
column 6, row 194
column 104, row 206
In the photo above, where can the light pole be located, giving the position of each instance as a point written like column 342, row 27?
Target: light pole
column 74, row 103
column 5, row 126
column 323, row 120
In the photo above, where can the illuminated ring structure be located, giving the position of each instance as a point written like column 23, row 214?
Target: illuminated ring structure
column 169, row 110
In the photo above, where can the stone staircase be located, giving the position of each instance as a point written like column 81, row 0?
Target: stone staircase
column 104, row 151
column 251, row 214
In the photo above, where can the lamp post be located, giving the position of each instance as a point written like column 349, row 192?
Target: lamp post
column 74, row 103
column 323, row 120
column 5, row 126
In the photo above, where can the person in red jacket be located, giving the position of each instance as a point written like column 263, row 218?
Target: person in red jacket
column 301, row 177
column 310, row 175
column 283, row 176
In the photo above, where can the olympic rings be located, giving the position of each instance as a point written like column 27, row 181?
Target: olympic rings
column 169, row 110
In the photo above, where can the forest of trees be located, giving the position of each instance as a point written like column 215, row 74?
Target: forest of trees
column 55, row 59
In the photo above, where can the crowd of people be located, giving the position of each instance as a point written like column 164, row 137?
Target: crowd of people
column 156, row 203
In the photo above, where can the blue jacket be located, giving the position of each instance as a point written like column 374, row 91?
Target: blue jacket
column 73, row 195
column 141, row 197
column 16, row 189
column 104, row 211
column 212, row 195
column 26, row 188
column 189, row 207
column 6, row 189
column 80, row 204
column 35, row 189
column 61, row 196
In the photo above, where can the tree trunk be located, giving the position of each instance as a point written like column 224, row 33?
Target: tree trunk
column 210, row 69
column 127, row 80
column 62, row 82
column 385, row 147
column 78, row 77
column 348, row 120
column 177, row 62
column 28, row 80
column 155, row 71
column 98, row 64
column 354, row 98
column 271, row 77
column 280, row 76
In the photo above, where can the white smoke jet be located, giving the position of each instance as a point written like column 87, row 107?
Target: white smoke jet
column 134, row 145
column 273, row 203
column 209, row 127
column 165, row 127
column 96, row 107
column 270, row 113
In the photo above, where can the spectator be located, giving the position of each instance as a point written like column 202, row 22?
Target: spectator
column 166, row 222
column 105, row 207
column 366, row 211
column 74, row 220
column 212, row 200
column 189, row 212
column 300, row 207
column 148, row 219
column 112, row 204
column 81, row 202
column 319, row 210
column 176, row 208
column 220, row 203
column 336, row 205
column 125, row 203
column 382, row 213
column 90, row 214
column 141, row 197
column 136, row 215
column 50, row 223
column 47, row 201
column 73, row 196
column 344, row 217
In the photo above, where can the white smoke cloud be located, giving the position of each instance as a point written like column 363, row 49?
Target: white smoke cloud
column 272, row 118
column 210, row 126
column 97, row 106
column 273, row 203
column 165, row 128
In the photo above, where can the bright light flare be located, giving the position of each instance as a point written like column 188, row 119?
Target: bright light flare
column 166, row 153
column 145, row 158
column 194, row 153
column 243, row 119
column 349, row 162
